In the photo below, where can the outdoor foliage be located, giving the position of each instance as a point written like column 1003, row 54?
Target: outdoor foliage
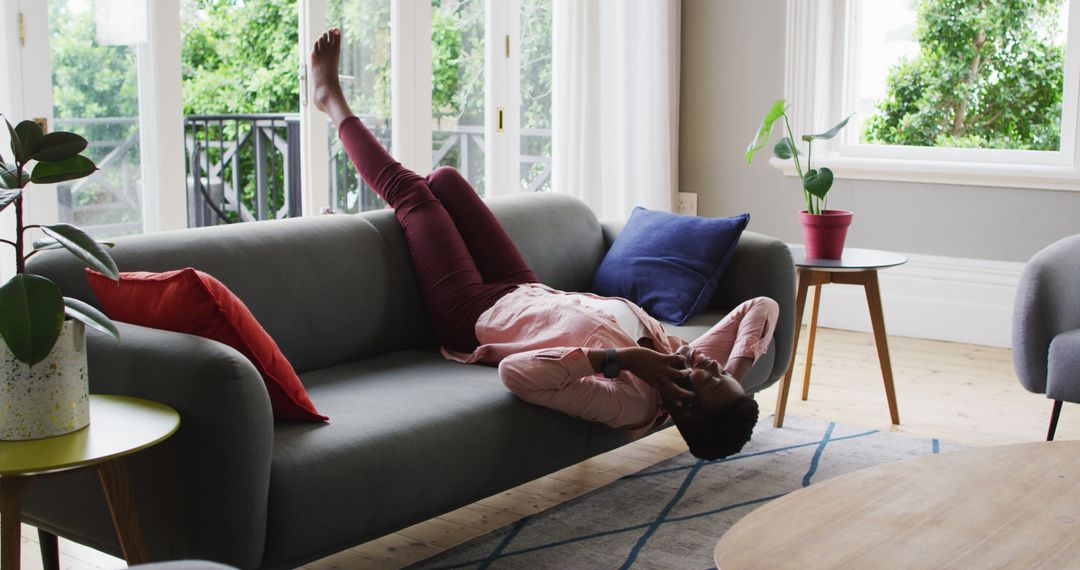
column 240, row 56
column 988, row 75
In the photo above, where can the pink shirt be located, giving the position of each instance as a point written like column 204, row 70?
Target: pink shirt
column 538, row 336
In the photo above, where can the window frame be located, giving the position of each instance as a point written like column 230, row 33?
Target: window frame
column 818, row 88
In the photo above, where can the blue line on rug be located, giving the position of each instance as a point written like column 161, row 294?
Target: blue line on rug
column 663, row 515
column 935, row 446
column 817, row 455
column 722, row 509
column 601, row 534
column 563, row 542
column 503, row 544
column 746, row 455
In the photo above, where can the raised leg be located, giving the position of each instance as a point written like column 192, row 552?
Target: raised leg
column 495, row 255
column 11, row 495
column 50, row 550
column 877, row 319
column 1054, row 415
column 785, row 384
column 125, row 516
column 810, row 343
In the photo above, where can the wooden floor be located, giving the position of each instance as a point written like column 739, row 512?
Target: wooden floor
column 957, row 392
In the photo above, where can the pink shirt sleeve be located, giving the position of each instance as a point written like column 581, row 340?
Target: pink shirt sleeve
column 562, row 379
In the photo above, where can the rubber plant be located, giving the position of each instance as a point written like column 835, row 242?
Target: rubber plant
column 816, row 182
column 32, row 308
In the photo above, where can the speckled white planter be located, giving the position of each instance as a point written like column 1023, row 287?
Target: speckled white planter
column 50, row 399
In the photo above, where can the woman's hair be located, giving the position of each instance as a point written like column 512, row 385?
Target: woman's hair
column 719, row 433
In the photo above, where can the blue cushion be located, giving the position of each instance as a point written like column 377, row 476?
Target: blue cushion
column 669, row 264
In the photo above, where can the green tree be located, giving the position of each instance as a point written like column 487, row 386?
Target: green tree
column 90, row 80
column 240, row 56
column 989, row 74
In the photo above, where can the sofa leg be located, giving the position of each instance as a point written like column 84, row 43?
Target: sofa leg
column 50, row 550
column 1054, row 420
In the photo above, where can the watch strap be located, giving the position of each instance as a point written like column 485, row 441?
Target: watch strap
column 612, row 364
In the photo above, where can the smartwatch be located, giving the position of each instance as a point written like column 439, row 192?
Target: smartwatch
column 612, row 365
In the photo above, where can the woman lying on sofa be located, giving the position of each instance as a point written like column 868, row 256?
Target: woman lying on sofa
column 600, row 359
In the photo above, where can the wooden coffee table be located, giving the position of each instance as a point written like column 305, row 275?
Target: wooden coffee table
column 1015, row 506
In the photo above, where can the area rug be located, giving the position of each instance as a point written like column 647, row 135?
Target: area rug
column 671, row 515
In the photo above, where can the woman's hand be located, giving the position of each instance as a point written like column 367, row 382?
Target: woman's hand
column 659, row 370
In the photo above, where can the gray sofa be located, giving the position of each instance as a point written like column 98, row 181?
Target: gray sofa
column 410, row 435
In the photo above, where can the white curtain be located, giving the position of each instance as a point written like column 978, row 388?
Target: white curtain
column 615, row 103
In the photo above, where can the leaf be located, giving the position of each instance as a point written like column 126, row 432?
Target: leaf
column 829, row 133
column 29, row 132
column 818, row 182
column 7, row 197
column 785, row 149
column 67, row 169
column 90, row 316
column 16, row 146
column 9, row 179
column 50, row 243
column 31, row 316
column 765, row 130
column 84, row 247
column 57, row 146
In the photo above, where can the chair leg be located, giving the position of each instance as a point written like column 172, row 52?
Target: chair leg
column 1054, row 420
column 50, row 550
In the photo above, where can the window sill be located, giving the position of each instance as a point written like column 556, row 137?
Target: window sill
column 943, row 172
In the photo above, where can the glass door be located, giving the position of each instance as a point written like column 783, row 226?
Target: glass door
column 535, row 89
column 458, row 87
column 94, row 51
column 365, row 75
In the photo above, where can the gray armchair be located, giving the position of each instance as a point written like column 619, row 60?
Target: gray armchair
column 1046, row 325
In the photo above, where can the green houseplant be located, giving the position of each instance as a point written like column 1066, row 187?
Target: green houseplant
column 823, row 229
column 43, row 380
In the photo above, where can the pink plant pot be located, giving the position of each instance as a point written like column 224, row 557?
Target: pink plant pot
column 824, row 233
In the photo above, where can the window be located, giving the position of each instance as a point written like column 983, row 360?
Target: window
column 952, row 91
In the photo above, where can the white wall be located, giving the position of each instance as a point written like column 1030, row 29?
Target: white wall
column 733, row 68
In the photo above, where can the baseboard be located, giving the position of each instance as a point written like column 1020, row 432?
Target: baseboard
column 932, row 297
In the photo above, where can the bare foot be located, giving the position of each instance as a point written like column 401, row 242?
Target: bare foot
column 324, row 72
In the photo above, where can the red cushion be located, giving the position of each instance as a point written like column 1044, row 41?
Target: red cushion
column 192, row 302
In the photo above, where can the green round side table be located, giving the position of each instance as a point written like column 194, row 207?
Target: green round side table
column 119, row 426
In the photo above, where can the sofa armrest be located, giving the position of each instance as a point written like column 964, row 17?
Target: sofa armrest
column 611, row 230
column 762, row 266
column 203, row 492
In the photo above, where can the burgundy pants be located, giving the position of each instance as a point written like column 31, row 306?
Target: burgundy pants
column 463, row 258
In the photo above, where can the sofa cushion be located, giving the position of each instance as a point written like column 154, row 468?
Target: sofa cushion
column 412, row 433
column 669, row 264
column 193, row 302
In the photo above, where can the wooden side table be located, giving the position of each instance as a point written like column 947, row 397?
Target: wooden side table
column 119, row 426
column 856, row 267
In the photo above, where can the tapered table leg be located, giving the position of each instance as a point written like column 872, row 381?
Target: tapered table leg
column 810, row 343
column 877, row 319
column 11, row 495
column 50, row 550
column 114, row 481
column 785, row 385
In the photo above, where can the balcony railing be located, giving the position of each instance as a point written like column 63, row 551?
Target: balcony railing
column 242, row 168
column 247, row 167
column 109, row 201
